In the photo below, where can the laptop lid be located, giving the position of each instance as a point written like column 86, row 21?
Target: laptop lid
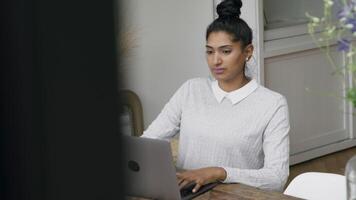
column 149, row 169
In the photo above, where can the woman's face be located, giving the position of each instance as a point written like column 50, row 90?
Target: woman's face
column 226, row 59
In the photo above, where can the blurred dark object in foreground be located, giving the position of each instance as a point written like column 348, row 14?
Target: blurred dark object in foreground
column 59, row 106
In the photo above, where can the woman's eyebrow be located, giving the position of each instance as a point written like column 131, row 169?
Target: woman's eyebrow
column 225, row 46
column 220, row 47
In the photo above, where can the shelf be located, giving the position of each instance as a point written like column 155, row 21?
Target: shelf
column 285, row 32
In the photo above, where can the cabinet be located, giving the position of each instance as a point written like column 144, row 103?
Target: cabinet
column 291, row 64
column 287, row 13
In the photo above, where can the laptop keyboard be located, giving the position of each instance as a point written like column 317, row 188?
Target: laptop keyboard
column 186, row 192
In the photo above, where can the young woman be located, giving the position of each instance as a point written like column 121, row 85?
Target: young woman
column 232, row 129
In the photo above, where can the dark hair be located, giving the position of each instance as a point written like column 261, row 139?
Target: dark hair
column 230, row 22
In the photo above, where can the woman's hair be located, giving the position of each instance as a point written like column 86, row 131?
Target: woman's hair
column 230, row 22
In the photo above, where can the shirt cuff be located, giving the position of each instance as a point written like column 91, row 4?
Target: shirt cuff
column 229, row 171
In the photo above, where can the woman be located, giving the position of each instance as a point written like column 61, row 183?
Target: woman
column 232, row 129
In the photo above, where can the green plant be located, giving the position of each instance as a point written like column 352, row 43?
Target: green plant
column 337, row 25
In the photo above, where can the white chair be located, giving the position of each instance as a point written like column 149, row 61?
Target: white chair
column 315, row 186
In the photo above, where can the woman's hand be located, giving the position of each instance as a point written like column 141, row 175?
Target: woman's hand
column 201, row 177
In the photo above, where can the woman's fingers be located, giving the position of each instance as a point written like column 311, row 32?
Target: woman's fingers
column 180, row 181
column 199, row 177
column 197, row 187
column 180, row 178
column 183, row 183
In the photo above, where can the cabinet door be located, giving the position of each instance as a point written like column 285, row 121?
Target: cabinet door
column 318, row 113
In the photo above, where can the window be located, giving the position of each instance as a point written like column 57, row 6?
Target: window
column 285, row 13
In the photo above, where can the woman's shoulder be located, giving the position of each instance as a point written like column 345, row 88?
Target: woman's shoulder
column 196, row 87
column 269, row 95
column 198, row 82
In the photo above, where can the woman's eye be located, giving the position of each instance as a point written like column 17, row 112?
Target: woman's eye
column 209, row 52
column 226, row 51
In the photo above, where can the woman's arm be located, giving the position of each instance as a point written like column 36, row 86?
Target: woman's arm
column 275, row 171
column 167, row 124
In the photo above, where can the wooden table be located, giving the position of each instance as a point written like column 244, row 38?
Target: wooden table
column 237, row 191
column 240, row 191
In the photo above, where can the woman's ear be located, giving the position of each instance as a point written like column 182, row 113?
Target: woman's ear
column 248, row 51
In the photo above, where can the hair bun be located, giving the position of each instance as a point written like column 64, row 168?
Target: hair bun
column 229, row 8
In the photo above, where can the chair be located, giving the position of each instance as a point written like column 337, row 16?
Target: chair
column 131, row 114
column 316, row 185
column 131, row 118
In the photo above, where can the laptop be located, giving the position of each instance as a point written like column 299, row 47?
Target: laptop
column 150, row 172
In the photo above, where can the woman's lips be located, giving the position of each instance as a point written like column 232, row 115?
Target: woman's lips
column 218, row 70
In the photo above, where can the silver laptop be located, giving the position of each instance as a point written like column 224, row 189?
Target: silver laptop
column 150, row 172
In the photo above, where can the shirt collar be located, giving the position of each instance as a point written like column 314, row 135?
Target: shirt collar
column 236, row 95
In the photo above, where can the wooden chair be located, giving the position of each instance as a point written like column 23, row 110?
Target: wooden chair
column 131, row 106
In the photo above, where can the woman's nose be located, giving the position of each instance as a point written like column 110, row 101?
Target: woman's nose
column 217, row 59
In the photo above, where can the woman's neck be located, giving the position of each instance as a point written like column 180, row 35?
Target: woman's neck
column 229, row 86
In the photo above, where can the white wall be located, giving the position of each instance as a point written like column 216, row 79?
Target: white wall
column 168, row 46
